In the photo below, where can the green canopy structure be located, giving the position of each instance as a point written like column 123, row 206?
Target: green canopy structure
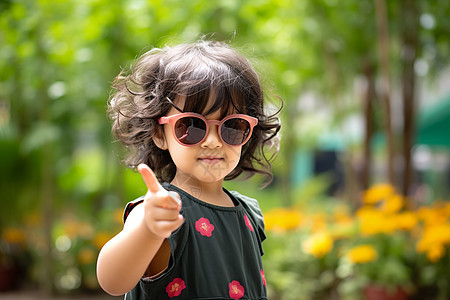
column 433, row 124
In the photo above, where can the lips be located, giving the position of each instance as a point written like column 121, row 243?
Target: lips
column 210, row 159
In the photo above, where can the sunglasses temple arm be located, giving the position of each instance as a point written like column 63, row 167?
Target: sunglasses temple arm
column 163, row 120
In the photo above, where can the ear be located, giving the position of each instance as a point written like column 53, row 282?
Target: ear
column 160, row 139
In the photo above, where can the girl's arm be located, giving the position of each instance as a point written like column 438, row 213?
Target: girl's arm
column 125, row 258
column 142, row 242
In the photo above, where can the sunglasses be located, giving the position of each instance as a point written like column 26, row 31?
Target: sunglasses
column 190, row 129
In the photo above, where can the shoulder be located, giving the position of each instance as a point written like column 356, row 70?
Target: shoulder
column 250, row 205
column 252, row 209
column 250, row 202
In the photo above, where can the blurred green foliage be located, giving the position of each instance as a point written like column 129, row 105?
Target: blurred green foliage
column 58, row 59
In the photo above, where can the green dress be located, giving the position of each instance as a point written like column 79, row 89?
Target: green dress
column 215, row 254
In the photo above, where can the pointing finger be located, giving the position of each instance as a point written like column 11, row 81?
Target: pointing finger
column 149, row 178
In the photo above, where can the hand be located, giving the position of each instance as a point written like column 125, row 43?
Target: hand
column 161, row 207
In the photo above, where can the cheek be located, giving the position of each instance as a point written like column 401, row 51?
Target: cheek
column 181, row 155
column 234, row 155
column 168, row 132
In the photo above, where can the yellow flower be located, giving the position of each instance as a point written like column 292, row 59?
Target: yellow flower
column 373, row 221
column 435, row 252
column 446, row 209
column 318, row 244
column 362, row 254
column 433, row 241
column 282, row 219
column 425, row 213
column 377, row 193
column 432, row 216
column 319, row 222
column 392, row 204
column 439, row 234
column 406, row 220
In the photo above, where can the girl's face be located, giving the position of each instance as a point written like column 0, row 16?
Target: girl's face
column 207, row 162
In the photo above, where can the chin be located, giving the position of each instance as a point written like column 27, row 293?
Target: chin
column 212, row 179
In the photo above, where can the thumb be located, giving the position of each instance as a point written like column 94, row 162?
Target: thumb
column 149, row 178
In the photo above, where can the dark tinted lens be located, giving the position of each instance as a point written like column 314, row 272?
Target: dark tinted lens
column 190, row 130
column 235, row 131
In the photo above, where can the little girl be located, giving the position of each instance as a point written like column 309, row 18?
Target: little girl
column 194, row 115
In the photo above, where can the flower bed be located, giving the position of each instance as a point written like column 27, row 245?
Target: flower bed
column 333, row 250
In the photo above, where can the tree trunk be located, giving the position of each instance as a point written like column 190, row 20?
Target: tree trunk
column 47, row 188
column 47, row 196
column 409, row 37
column 369, row 95
column 385, row 89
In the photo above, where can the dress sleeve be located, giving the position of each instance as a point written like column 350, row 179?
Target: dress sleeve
column 130, row 205
column 251, row 206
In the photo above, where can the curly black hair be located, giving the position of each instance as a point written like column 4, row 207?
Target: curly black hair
column 192, row 71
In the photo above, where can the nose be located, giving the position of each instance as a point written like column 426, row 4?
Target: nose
column 212, row 139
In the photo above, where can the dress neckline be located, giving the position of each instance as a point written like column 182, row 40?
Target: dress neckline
column 237, row 204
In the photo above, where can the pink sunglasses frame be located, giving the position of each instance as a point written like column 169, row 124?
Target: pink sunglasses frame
column 174, row 118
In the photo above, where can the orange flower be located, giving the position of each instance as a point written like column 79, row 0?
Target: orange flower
column 71, row 228
column 118, row 216
column 14, row 235
column 86, row 256
column 100, row 239
column 74, row 228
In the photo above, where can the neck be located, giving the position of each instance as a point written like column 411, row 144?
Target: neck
column 209, row 192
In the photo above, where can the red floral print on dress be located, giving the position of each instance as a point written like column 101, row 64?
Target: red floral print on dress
column 236, row 290
column 247, row 222
column 175, row 287
column 204, row 227
column 263, row 276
